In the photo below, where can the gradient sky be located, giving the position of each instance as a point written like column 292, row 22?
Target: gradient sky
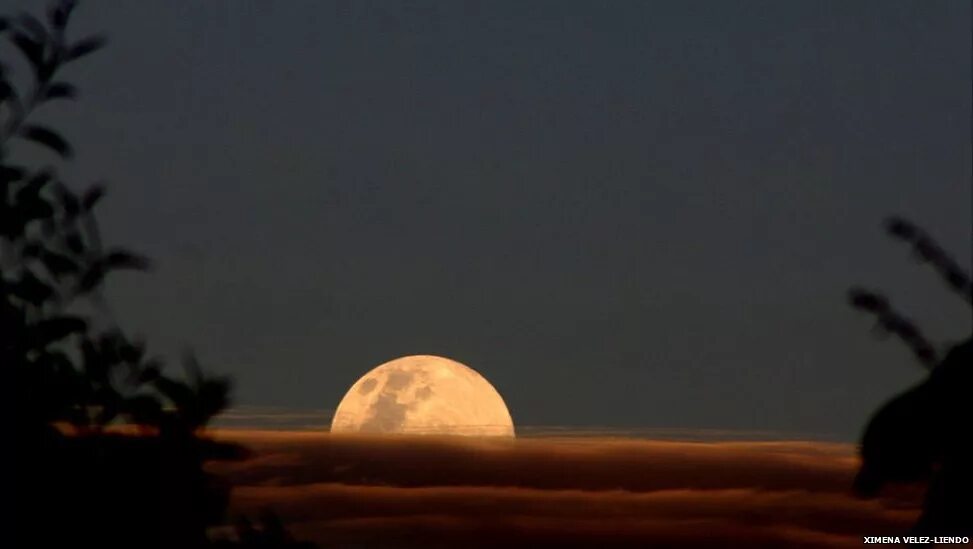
column 629, row 214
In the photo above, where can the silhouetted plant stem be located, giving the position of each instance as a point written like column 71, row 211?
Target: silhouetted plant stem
column 923, row 434
column 92, row 487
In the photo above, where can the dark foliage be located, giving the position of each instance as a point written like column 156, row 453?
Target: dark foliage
column 78, row 481
column 926, row 433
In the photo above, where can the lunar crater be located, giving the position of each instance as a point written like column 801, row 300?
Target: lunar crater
column 423, row 394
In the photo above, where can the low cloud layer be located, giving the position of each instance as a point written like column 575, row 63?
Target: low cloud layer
column 352, row 491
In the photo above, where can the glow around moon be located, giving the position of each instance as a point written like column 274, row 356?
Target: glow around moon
column 423, row 394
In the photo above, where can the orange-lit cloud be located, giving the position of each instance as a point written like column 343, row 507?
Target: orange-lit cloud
column 439, row 492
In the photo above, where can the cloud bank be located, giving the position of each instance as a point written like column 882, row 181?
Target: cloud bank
column 355, row 491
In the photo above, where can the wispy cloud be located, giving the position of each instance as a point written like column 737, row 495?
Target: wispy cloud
column 273, row 417
column 656, row 433
column 269, row 418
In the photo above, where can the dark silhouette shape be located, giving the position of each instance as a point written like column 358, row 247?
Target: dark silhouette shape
column 77, row 482
column 926, row 433
column 268, row 532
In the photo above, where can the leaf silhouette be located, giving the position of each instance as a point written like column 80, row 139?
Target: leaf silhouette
column 32, row 189
column 6, row 90
column 58, row 264
column 11, row 173
column 143, row 409
column 131, row 352
column 58, row 361
column 91, row 278
column 32, row 26
column 61, row 90
column 179, row 393
column 92, row 196
column 31, row 289
column 115, row 260
column 32, row 49
column 85, row 46
column 956, row 277
column 89, row 352
column 48, row 138
column 123, row 259
column 150, row 372
column 37, row 208
column 11, row 223
column 109, row 405
column 901, row 228
column 866, row 300
column 55, row 329
column 32, row 249
column 213, row 396
column 70, row 202
column 58, row 14
column 65, row 370
column 74, row 242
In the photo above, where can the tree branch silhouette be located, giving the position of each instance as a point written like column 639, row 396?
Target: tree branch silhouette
column 923, row 434
column 77, row 480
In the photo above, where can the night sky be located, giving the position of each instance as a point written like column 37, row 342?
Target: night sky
column 640, row 214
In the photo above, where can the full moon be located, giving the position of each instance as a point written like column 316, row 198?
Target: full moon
column 423, row 394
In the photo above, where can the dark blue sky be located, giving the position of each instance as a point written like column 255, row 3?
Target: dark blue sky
column 629, row 214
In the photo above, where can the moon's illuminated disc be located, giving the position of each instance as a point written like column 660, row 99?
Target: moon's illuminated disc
column 423, row 394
